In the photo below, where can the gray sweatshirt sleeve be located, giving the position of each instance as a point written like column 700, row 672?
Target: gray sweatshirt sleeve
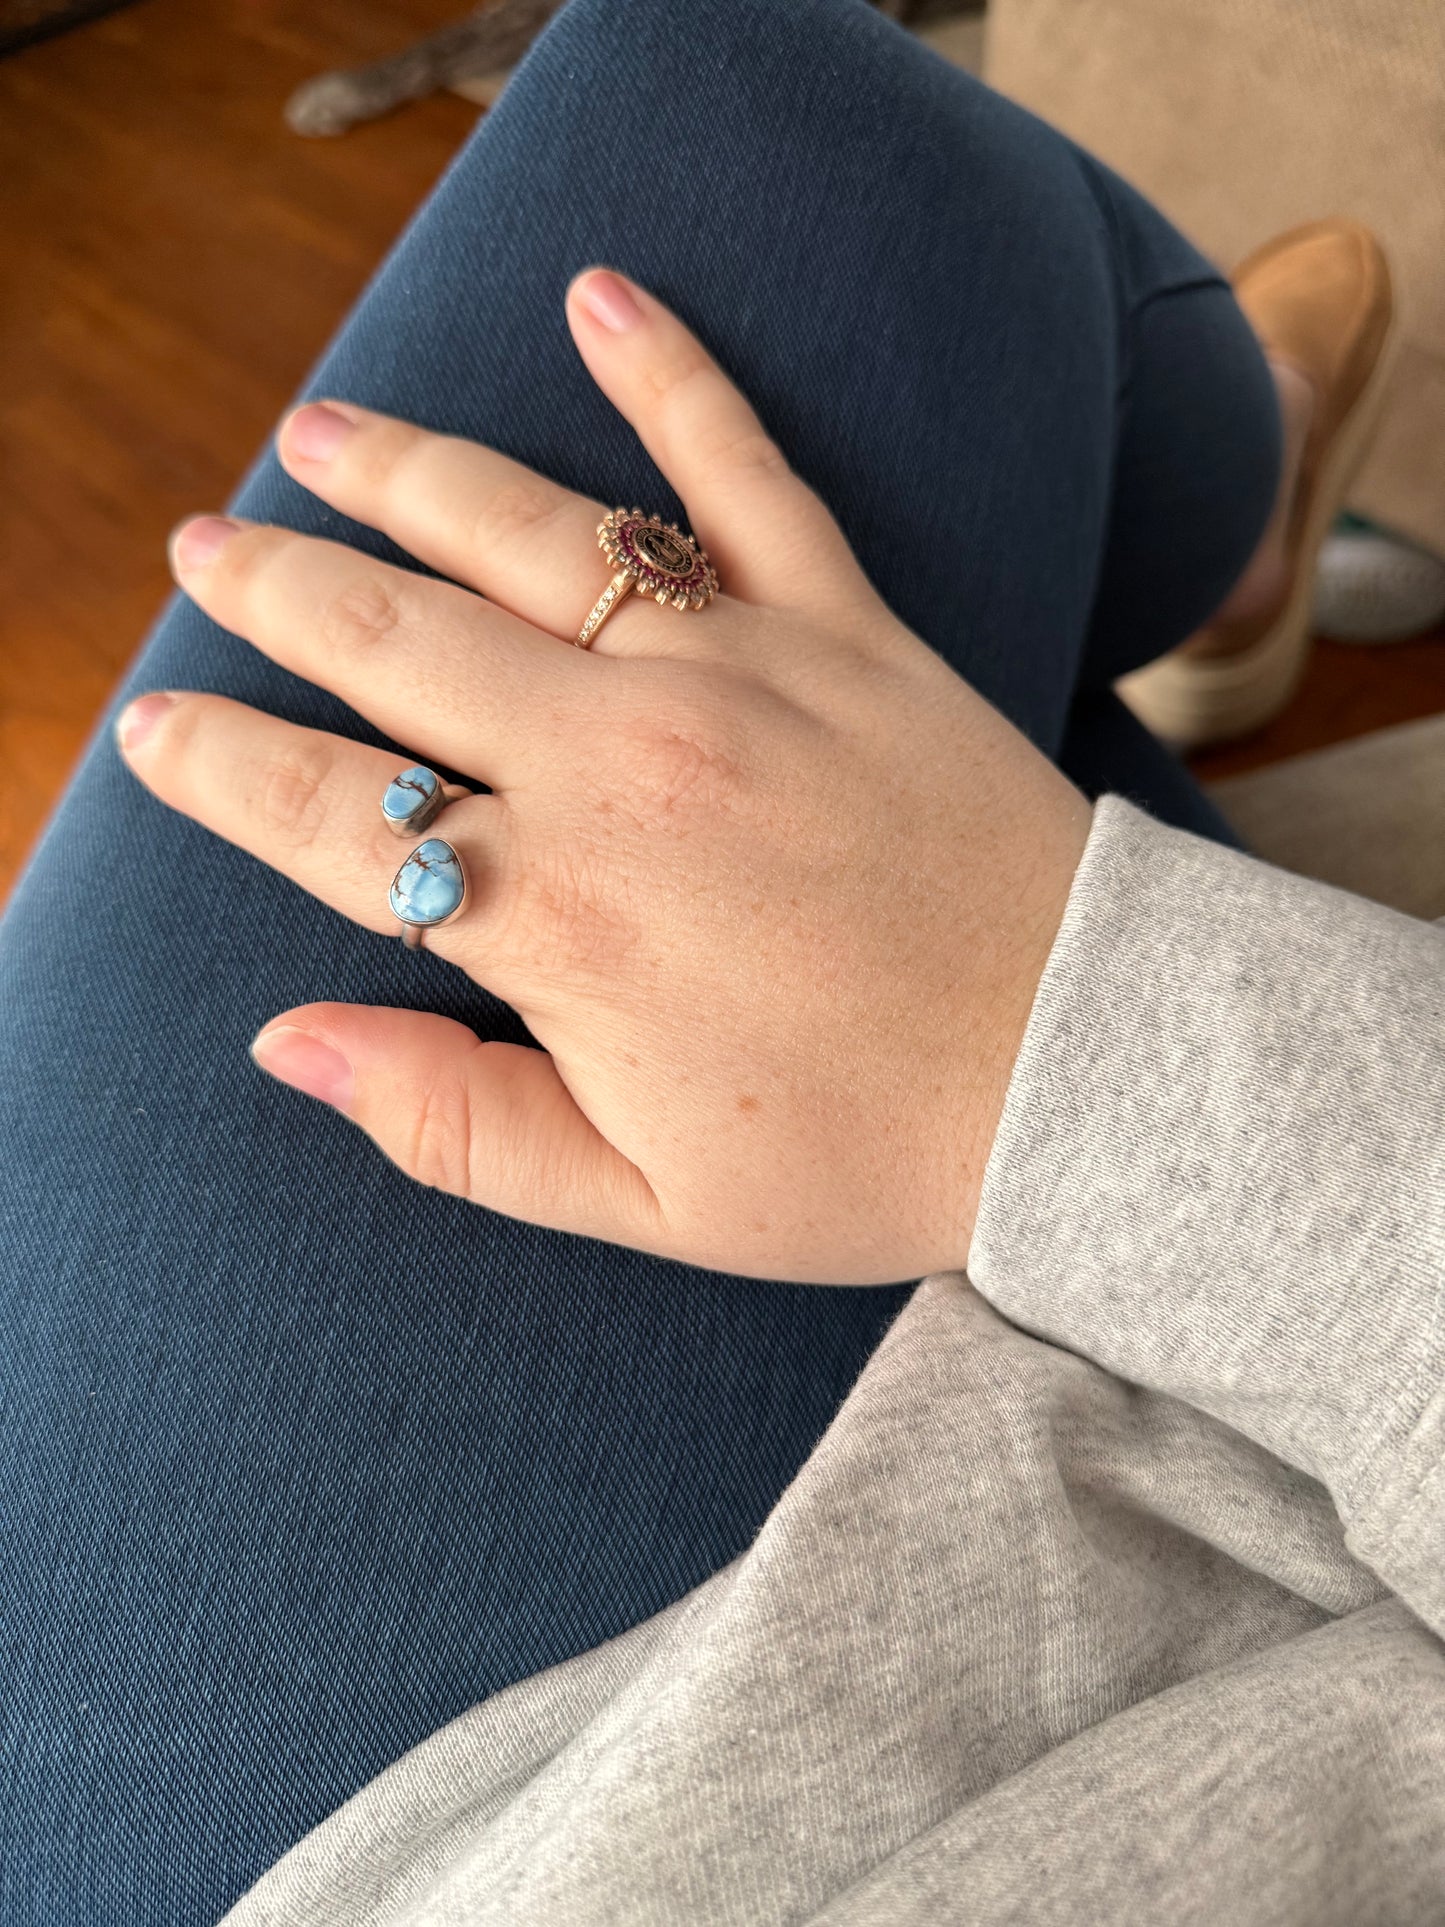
column 1219, row 1169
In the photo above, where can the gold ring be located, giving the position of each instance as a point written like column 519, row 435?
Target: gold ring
column 652, row 557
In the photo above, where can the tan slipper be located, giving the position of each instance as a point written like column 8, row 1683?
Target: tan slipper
column 1319, row 298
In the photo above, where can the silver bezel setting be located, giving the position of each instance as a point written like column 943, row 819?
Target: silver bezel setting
column 413, row 934
column 428, row 809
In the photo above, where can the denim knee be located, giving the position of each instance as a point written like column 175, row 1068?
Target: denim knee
column 700, row 61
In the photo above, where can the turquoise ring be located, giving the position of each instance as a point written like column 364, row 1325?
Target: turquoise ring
column 431, row 886
column 415, row 797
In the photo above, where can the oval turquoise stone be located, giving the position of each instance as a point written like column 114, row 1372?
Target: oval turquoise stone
column 429, row 886
column 408, row 793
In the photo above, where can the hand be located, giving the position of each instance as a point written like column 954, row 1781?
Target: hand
column 771, row 886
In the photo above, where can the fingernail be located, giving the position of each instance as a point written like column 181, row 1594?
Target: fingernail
column 608, row 299
column 317, row 431
column 196, row 543
column 297, row 1058
column 138, row 719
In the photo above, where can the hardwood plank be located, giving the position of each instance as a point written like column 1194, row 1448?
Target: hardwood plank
column 1347, row 691
column 175, row 259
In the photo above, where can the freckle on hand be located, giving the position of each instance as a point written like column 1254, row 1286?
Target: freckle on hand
column 748, row 1103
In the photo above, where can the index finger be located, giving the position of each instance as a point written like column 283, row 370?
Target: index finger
column 770, row 536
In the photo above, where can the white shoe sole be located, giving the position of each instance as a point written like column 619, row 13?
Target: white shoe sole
column 1372, row 587
column 1193, row 700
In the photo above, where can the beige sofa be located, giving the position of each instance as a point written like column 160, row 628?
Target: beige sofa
column 1242, row 117
column 1367, row 815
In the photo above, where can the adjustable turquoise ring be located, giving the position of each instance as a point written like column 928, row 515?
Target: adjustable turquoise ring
column 431, row 886
column 415, row 799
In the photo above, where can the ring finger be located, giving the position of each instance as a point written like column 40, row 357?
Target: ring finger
column 304, row 801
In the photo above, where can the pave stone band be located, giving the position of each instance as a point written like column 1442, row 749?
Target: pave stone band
column 650, row 557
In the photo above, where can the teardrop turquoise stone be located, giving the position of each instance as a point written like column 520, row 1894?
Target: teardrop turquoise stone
column 429, row 886
column 408, row 794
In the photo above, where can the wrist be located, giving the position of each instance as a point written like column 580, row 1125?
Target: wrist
column 1044, row 861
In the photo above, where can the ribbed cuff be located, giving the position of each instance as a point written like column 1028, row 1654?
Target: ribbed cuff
column 1219, row 1168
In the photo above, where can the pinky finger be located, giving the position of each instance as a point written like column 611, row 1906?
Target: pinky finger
column 486, row 1121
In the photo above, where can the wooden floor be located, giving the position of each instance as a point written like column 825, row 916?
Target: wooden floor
column 174, row 259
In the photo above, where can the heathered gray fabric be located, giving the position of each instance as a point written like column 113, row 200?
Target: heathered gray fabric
column 1058, row 1624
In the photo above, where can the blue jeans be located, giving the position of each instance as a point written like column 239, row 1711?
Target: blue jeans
column 299, row 1460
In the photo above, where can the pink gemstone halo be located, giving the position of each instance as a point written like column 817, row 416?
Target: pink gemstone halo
column 667, row 565
column 649, row 557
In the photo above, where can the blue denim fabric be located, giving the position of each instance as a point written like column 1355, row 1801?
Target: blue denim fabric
column 299, row 1460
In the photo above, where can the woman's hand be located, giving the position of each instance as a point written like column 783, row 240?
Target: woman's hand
column 771, row 886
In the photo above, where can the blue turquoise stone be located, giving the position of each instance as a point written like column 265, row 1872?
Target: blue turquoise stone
column 408, row 793
column 429, row 886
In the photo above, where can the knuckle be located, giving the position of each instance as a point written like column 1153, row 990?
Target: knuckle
column 249, row 554
column 518, row 509
column 665, row 382
column 384, row 453
column 362, row 615
column 438, row 1148
column 722, row 429
column 291, row 797
column 727, row 445
column 748, row 451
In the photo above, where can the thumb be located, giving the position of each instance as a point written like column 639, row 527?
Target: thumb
column 491, row 1122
